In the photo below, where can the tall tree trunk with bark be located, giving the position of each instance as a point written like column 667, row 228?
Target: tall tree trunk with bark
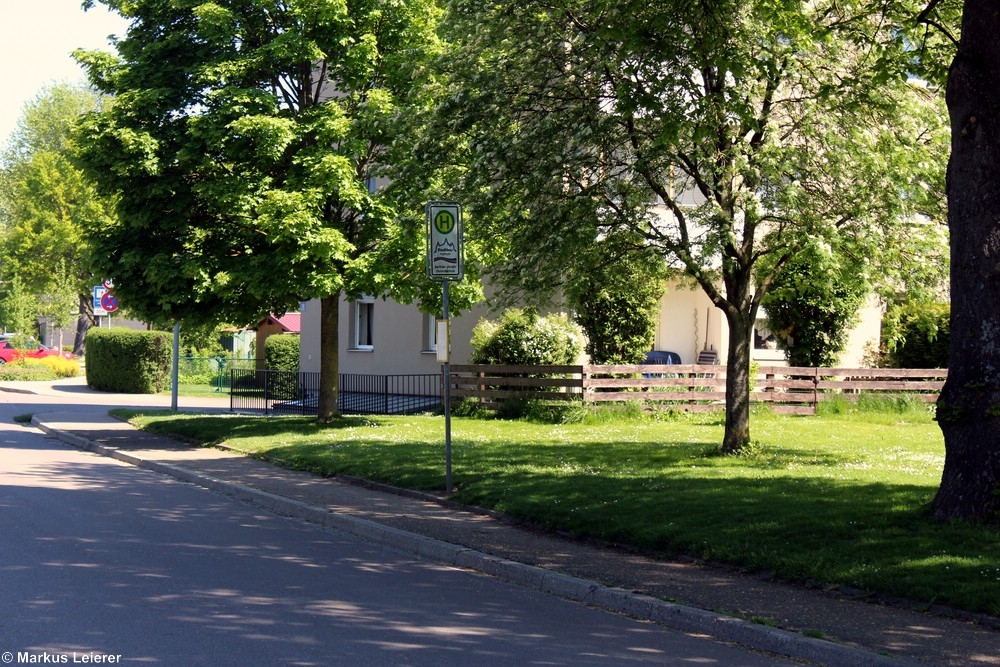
column 83, row 324
column 329, row 357
column 969, row 406
column 741, row 311
column 737, row 433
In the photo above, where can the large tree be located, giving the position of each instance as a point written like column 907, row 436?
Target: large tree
column 245, row 145
column 969, row 406
column 45, row 203
column 722, row 133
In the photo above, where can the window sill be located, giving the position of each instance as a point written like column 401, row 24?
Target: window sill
column 768, row 355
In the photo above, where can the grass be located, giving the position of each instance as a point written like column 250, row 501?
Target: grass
column 199, row 389
column 834, row 500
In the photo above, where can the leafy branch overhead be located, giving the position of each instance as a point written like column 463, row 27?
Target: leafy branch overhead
column 248, row 147
column 722, row 134
column 260, row 155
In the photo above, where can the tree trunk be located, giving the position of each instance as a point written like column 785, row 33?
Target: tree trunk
column 83, row 324
column 737, row 434
column 329, row 379
column 969, row 406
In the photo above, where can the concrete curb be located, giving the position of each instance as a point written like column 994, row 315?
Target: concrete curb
column 674, row 616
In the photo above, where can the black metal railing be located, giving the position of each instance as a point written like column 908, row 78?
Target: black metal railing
column 388, row 394
column 287, row 392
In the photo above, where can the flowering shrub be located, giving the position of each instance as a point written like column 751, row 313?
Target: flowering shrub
column 60, row 367
column 523, row 338
column 36, row 370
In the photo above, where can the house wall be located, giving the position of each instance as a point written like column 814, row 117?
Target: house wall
column 400, row 339
column 688, row 321
column 687, row 324
column 864, row 337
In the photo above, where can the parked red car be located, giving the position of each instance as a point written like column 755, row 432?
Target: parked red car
column 10, row 354
column 42, row 351
column 7, row 353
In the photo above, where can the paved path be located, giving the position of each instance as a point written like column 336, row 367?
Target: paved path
column 855, row 632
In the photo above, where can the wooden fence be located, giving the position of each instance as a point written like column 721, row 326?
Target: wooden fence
column 688, row 387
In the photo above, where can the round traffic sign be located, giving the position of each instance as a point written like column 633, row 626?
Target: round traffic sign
column 109, row 302
column 108, row 283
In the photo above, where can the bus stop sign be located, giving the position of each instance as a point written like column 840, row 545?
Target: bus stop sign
column 445, row 251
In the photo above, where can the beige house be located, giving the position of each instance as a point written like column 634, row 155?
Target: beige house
column 689, row 324
column 383, row 337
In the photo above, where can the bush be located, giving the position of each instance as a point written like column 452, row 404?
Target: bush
column 197, row 370
column 128, row 361
column 814, row 302
column 281, row 353
column 523, row 338
column 18, row 372
column 919, row 336
column 57, row 366
column 615, row 294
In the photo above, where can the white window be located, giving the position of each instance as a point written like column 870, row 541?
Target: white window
column 763, row 339
column 765, row 345
column 364, row 325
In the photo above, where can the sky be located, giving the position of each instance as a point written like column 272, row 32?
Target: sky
column 36, row 40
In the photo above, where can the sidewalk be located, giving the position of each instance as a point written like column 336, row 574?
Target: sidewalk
column 853, row 631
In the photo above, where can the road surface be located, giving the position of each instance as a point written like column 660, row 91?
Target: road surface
column 103, row 563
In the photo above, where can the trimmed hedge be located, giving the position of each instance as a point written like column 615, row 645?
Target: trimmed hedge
column 127, row 361
column 281, row 352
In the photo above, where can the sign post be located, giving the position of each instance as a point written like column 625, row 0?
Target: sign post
column 99, row 292
column 445, row 262
column 105, row 302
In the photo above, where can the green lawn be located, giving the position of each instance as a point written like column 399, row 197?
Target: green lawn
column 829, row 500
column 198, row 389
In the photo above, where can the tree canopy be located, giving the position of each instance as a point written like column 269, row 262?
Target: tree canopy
column 724, row 134
column 46, row 203
column 247, row 147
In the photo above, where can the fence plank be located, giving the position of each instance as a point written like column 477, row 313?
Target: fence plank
column 788, row 389
column 488, row 394
column 524, row 382
column 515, row 370
column 656, row 396
column 883, row 385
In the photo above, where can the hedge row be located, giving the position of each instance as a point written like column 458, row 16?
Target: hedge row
column 281, row 353
column 127, row 361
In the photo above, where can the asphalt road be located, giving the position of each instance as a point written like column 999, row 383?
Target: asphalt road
column 104, row 562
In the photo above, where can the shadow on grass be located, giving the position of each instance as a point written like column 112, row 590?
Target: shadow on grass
column 214, row 428
column 801, row 513
column 876, row 537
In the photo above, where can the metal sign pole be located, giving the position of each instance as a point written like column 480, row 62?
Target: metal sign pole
column 445, row 262
column 447, row 392
column 175, row 366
